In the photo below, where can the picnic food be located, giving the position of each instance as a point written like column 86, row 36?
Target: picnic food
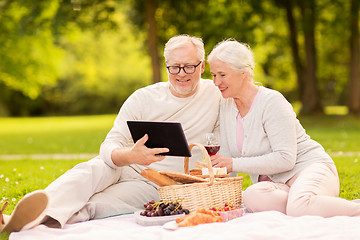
column 195, row 172
column 182, row 177
column 213, row 191
column 162, row 208
column 228, row 212
column 201, row 216
column 228, row 206
column 157, row 178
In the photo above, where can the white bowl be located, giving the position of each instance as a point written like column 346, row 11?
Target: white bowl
column 158, row 220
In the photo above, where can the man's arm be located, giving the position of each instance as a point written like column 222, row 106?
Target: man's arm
column 118, row 148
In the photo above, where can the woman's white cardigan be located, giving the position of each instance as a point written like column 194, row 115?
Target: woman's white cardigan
column 275, row 143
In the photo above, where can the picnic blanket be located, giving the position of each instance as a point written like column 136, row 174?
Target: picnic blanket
column 264, row 225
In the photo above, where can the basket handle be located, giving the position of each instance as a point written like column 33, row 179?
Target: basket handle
column 207, row 159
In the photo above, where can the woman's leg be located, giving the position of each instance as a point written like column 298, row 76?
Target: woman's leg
column 315, row 190
column 266, row 196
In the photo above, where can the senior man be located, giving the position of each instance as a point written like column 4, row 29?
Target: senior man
column 111, row 184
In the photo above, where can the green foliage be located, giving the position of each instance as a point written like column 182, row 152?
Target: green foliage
column 259, row 23
column 263, row 25
column 64, row 58
column 99, row 72
column 28, row 57
column 333, row 50
column 86, row 57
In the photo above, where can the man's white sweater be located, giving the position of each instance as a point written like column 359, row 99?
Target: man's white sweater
column 198, row 115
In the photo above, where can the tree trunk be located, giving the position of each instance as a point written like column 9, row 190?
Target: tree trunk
column 354, row 81
column 150, row 8
column 310, row 98
column 299, row 68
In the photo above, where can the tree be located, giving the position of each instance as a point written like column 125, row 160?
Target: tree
column 152, row 39
column 30, row 55
column 142, row 15
column 68, row 57
column 293, row 37
column 29, row 58
column 354, row 81
column 310, row 97
column 250, row 23
column 305, row 70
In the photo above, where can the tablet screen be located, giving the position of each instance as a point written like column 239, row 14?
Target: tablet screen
column 161, row 134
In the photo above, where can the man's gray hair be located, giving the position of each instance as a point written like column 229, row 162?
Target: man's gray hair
column 180, row 40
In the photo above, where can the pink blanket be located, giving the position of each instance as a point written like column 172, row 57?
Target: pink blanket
column 265, row 225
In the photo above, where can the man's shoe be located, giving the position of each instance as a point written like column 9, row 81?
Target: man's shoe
column 2, row 217
column 27, row 213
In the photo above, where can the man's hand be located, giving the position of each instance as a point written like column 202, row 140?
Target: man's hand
column 221, row 161
column 138, row 154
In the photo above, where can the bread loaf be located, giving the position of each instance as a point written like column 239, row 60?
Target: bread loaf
column 157, row 178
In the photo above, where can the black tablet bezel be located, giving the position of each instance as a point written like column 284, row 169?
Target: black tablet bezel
column 161, row 134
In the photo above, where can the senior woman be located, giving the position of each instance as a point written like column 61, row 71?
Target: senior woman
column 261, row 136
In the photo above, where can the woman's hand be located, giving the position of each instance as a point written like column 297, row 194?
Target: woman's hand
column 221, row 161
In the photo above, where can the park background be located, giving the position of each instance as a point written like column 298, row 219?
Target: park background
column 71, row 57
column 66, row 67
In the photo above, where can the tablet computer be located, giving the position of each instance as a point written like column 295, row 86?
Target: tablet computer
column 161, row 134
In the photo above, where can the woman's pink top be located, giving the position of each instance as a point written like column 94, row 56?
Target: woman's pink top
column 240, row 135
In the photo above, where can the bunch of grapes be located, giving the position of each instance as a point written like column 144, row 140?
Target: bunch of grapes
column 162, row 208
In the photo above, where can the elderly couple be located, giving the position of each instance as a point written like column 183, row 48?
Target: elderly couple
column 259, row 134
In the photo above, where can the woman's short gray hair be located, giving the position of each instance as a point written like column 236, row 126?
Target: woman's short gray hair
column 180, row 40
column 238, row 55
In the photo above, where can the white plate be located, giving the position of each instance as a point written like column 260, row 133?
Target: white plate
column 151, row 221
column 171, row 225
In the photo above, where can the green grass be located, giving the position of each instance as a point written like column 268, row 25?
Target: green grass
column 335, row 133
column 80, row 134
column 84, row 134
column 18, row 177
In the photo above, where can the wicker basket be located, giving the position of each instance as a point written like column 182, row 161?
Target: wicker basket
column 216, row 192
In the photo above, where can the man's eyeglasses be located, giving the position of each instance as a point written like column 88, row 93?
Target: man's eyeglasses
column 187, row 69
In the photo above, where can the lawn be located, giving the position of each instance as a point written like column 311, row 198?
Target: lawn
column 79, row 134
column 339, row 135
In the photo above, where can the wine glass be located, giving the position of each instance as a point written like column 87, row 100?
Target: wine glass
column 211, row 144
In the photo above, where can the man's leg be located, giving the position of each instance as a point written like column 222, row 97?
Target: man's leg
column 71, row 191
column 126, row 196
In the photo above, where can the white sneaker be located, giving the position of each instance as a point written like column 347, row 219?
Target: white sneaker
column 28, row 212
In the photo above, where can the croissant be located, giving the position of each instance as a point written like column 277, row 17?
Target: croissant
column 199, row 217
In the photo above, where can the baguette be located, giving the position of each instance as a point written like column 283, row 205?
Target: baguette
column 195, row 172
column 157, row 178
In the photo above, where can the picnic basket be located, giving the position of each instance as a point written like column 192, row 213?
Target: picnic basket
column 215, row 192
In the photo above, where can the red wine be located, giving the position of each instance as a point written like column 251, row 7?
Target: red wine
column 212, row 150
